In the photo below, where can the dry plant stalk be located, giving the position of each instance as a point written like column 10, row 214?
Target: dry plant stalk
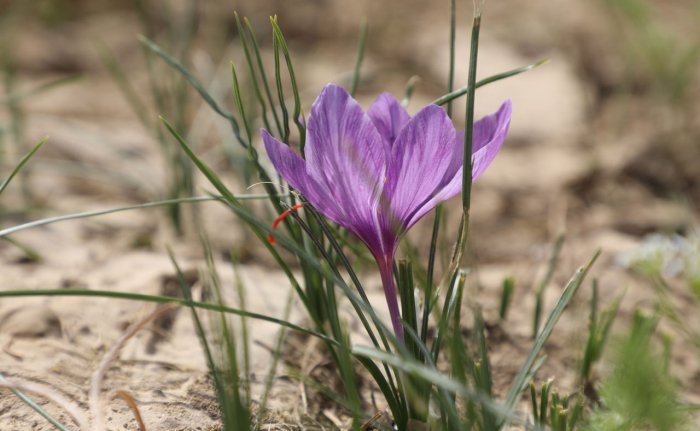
column 95, row 401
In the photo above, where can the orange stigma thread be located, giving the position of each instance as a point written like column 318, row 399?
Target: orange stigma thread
column 279, row 219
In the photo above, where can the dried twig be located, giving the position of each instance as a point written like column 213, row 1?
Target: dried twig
column 95, row 401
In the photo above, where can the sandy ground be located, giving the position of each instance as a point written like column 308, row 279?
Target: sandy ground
column 571, row 164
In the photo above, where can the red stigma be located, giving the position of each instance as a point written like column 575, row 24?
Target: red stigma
column 279, row 219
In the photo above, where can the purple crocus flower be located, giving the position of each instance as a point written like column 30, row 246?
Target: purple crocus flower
column 378, row 173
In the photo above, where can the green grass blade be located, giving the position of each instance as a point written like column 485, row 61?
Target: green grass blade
column 37, row 408
column 239, row 105
column 297, row 115
column 263, row 74
column 160, row 299
column 280, row 89
column 506, row 297
column 119, row 76
column 251, row 70
column 439, row 210
column 499, row 76
column 219, row 384
column 360, row 56
column 539, row 292
column 198, row 86
column 276, row 355
column 521, row 380
column 408, row 90
column 419, row 370
column 21, row 164
column 88, row 214
column 469, row 120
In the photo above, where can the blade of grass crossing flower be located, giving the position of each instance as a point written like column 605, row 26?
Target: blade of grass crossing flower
column 263, row 75
column 469, row 120
column 360, row 56
column 23, row 161
column 522, row 378
column 438, row 211
column 251, row 70
column 297, row 115
column 539, row 292
column 453, row 38
column 37, row 408
column 493, row 78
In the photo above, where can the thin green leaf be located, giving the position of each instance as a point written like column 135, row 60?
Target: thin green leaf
column 251, row 71
column 539, row 292
column 160, row 299
column 360, row 56
column 419, row 370
column 21, row 164
column 88, row 214
column 297, row 115
column 36, row 407
column 263, row 74
column 499, row 76
column 522, row 378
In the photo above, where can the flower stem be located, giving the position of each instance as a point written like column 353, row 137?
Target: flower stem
column 385, row 270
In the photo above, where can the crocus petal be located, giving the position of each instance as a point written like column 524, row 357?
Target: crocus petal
column 346, row 155
column 293, row 169
column 388, row 116
column 487, row 139
column 489, row 134
column 420, row 158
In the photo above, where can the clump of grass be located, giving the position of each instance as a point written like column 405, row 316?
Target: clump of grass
column 638, row 393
